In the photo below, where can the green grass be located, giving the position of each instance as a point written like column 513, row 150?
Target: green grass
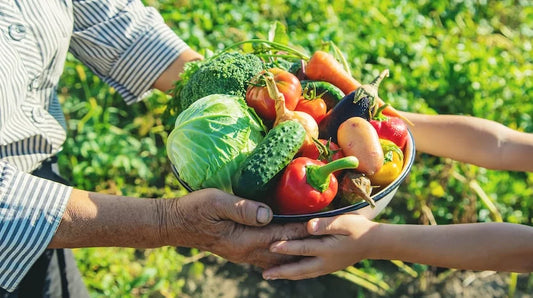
column 462, row 57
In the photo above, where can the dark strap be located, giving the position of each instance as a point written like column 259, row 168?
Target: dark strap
column 48, row 170
column 63, row 272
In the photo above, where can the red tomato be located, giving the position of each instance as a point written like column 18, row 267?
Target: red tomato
column 257, row 94
column 333, row 151
column 316, row 107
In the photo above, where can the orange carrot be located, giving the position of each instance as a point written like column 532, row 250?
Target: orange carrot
column 322, row 66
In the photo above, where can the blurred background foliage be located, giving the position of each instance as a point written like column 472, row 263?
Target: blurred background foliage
column 458, row 57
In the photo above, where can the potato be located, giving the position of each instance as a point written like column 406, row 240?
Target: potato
column 357, row 137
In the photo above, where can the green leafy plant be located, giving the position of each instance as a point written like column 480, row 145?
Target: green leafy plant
column 461, row 57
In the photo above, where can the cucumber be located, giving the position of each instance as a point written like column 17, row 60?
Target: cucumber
column 259, row 170
column 330, row 93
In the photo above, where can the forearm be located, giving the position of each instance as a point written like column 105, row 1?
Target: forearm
column 172, row 74
column 472, row 140
column 101, row 220
column 482, row 246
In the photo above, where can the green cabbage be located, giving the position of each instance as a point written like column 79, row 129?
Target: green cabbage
column 211, row 138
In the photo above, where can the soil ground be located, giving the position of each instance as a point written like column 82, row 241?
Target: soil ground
column 223, row 279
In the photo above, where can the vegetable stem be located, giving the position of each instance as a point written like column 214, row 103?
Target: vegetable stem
column 319, row 176
column 273, row 92
column 341, row 58
column 370, row 90
column 275, row 45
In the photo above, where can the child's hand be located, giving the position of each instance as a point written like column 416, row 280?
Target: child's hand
column 341, row 242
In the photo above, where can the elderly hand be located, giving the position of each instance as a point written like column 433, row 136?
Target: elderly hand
column 231, row 227
column 209, row 219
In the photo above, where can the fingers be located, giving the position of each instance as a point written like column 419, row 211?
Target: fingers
column 305, row 268
column 327, row 226
column 263, row 237
column 246, row 212
column 305, row 247
column 263, row 258
column 251, row 245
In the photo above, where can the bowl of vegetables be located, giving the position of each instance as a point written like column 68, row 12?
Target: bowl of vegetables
column 307, row 143
column 371, row 206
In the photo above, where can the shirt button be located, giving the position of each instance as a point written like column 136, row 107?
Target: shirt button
column 33, row 85
column 17, row 31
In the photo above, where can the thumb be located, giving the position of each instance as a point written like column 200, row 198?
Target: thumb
column 243, row 211
column 326, row 225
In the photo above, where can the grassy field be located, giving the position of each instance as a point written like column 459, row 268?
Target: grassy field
column 459, row 57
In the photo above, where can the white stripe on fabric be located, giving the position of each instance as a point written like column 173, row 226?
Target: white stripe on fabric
column 28, row 221
column 134, row 54
column 126, row 44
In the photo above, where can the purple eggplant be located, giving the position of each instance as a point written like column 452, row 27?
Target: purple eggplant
column 358, row 103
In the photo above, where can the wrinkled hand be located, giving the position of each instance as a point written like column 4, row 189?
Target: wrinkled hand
column 342, row 242
column 226, row 225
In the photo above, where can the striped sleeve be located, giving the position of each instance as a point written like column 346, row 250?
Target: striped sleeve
column 31, row 209
column 125, row 43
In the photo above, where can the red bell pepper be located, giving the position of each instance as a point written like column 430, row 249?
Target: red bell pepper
column 390, row 128
column 308, row 185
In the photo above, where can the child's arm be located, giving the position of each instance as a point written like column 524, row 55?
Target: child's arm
column 350, row 238
column 472, row 140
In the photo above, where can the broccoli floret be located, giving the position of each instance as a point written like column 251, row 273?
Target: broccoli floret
column 227, row 73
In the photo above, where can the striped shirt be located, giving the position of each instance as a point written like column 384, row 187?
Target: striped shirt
column 125, row 43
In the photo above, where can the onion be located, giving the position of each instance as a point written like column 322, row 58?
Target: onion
column 284, row 114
